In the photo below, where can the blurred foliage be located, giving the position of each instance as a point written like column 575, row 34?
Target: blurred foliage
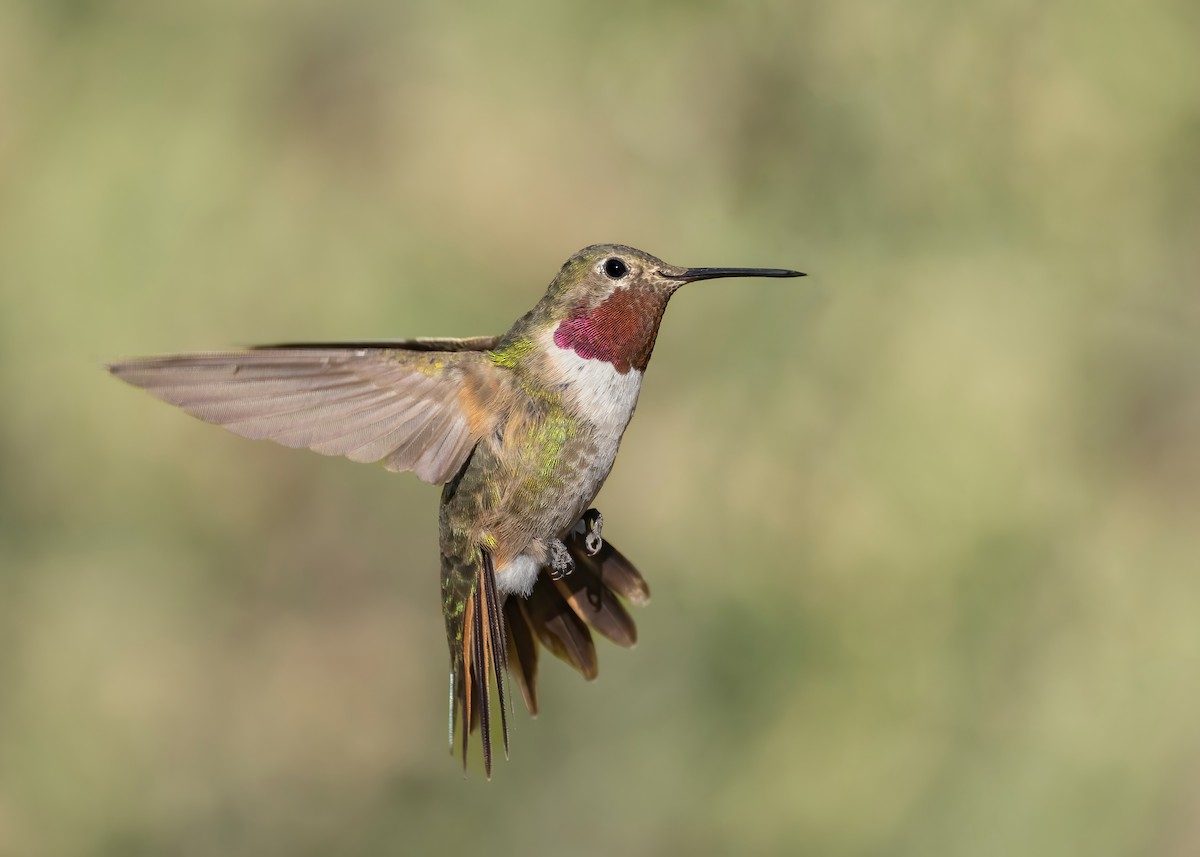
column 922, row 529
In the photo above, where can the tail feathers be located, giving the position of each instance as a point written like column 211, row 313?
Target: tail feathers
column 484, row 655
column 522, row 651
column 616, row 573
column 496, row 645
column 557, row 614
column 560, row 629
column 600, row 609
column 593, row 589
column 596, row 604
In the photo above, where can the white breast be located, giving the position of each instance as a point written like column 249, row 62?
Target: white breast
column 598, row 391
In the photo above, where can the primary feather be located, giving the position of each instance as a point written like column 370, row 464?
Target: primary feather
column 407, row 403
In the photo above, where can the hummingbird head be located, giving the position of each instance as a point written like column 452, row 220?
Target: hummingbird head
column 608, row 300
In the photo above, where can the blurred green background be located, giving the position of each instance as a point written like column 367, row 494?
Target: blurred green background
column 922, row 529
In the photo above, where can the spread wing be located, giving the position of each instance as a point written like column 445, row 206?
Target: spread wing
column 418, row 405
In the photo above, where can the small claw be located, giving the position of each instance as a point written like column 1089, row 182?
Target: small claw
column 592, row 522
column 561, row 563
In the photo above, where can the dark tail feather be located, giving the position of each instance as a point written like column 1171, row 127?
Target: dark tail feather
column 614, row 570
column 497, row 641
column 595, row 603
column 522, row 650
column 480, row 680
column 559, row 629
column 464, row 673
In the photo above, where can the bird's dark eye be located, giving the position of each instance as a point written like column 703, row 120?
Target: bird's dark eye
column 615, row 269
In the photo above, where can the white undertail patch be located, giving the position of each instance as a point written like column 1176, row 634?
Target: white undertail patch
column 518, row 577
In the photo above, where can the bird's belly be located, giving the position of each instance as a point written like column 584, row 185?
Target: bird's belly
column 554, row 501
column 529, row 484
column 556, row 511
column 603, row 398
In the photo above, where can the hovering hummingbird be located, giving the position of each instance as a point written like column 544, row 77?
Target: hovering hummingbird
column 521, row 430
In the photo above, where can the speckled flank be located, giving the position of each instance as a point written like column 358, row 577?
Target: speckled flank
column 545, row 447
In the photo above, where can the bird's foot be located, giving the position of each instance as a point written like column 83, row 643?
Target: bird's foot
column 589, row 526
column 561, row 563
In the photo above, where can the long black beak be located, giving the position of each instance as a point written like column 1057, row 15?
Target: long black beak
column 693, row 274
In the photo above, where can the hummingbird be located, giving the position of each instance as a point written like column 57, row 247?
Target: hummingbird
column 520, row 430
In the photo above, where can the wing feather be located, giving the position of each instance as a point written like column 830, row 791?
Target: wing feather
column 399, row 402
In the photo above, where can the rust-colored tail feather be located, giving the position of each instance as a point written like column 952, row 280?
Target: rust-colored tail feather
column 484, row 655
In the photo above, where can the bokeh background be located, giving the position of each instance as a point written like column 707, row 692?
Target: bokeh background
column 923, row 530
